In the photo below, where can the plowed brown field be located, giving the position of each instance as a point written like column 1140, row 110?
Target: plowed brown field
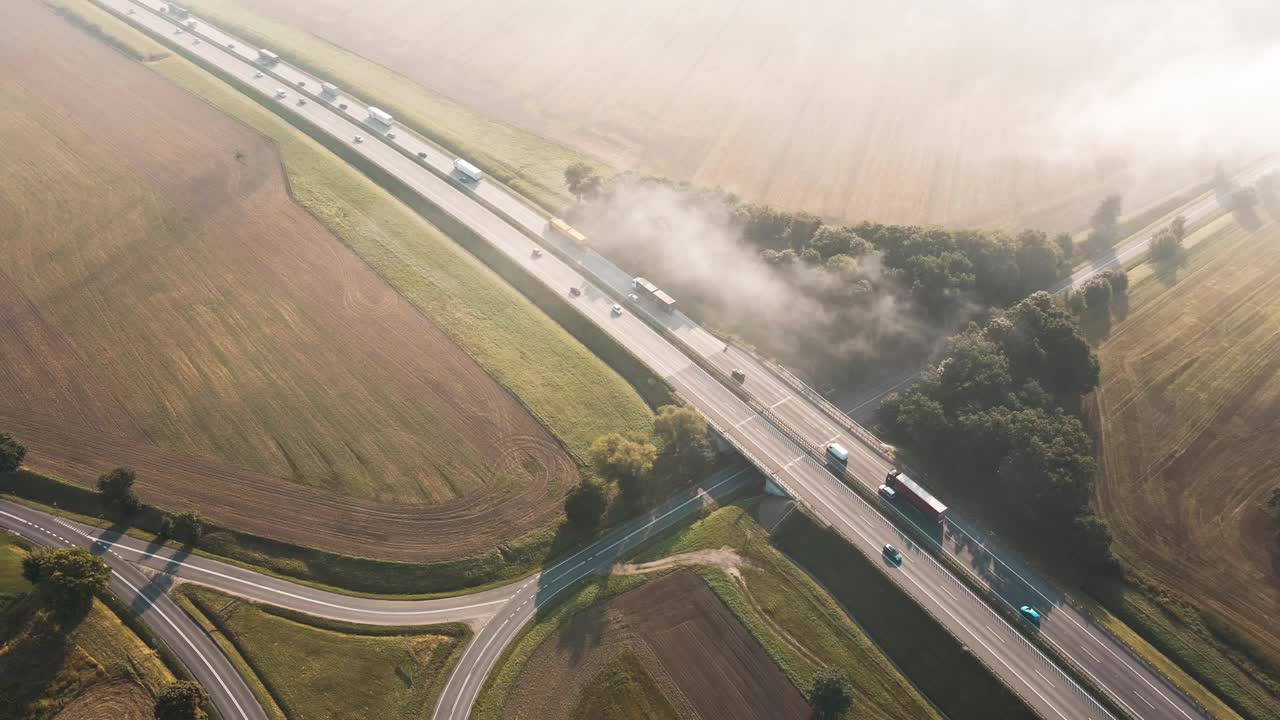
column 165, row 304
column 1189, row 406
column 689, row 642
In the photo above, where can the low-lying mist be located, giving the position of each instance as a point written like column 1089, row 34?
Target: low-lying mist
column 817, row 317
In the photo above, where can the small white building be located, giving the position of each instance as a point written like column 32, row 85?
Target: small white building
column 266, row 57
column 381, row 117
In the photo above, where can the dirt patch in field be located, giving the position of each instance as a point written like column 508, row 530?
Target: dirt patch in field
column 111, row 701
column 725, row 558
column 166, row 305
column 686, row 638
column 1189, row 408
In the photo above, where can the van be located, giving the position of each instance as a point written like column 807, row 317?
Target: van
column 837, row 454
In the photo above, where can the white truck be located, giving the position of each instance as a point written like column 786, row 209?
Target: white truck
column 380, row 117
column 467, row 170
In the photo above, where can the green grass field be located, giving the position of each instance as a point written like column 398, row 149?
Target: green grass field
column 800, row 626
column 624, row 690
column 11, row 554
column 315, row 668
column 529, row 164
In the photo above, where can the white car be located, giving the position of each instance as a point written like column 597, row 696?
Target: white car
column 633, row 298
column 537, row 252
column 281, row 94
column 616, row 311
column 357, row 139
column 257, row 75
column 391, row 135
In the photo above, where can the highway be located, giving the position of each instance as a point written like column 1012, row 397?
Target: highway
column 780, row 446
column 194, row 649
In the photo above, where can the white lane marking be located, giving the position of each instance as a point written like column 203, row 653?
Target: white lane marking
column 278, row 591
column 496, row 633
column 993, row 632
column 1148, row 702
column 1055, row 687
column 789, row 397
column 1086, row 652
column 945, row 590
column 190, row 644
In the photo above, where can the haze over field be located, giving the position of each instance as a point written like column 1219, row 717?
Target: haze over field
column 999, row 112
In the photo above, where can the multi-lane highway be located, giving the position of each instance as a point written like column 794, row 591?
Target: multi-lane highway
column 779, row 443
column 193, row 648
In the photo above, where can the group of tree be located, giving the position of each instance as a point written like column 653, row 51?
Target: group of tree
column 12, row 453
column 830, row 695
column 1099, row 292
column 991, row 420
column 69, row 578
column 1104, row 225
column 640, row 471
column 186, row 527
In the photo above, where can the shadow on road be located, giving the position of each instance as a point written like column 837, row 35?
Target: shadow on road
column 159, row 582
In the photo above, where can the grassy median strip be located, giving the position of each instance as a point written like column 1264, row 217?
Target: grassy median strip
column 317, row 668
column 924, row 651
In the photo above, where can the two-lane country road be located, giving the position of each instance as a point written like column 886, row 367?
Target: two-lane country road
column 194, row 649
column 513, row 228
column 497, row 613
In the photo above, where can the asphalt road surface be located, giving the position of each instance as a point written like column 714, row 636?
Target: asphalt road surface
column 497, row 614
column 195, row 650
column 507, row 222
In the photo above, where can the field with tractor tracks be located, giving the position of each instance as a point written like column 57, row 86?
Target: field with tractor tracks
column 822, row 106
column 1187, row 412
column 169, row 306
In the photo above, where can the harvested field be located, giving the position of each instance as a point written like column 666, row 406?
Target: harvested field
column 686, row 639
column 1187, row 412
column 167, row 305
column 111, row 701
column 818, row 107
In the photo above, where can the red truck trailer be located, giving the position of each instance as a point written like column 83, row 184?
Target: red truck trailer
column 916, row 495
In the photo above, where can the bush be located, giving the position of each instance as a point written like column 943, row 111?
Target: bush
column 116, row 488
column 70, row 576
column 585, row 505
column 181, row 700
column 12, row 453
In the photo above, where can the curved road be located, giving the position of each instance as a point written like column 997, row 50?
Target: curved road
column 779, row 442
column 187, row 640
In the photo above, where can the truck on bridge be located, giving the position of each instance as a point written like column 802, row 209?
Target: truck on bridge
column 904, row 486
column 646, row 289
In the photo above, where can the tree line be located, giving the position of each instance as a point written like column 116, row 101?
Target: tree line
column 993, row 421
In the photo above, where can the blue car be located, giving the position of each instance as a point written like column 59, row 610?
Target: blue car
column 1030, row 614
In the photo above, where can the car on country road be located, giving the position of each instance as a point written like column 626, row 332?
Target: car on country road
column 1030, row 614
column 893, row 555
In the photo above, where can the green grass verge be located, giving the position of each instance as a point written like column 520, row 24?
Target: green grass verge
column 325, row 570
column 801, row 627
column 317, row 668
column 530, row 164
column 624, row 690
column 924, row 651
column 11, row 554
column 92, row 20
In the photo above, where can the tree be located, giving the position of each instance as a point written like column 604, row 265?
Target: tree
column 1106, row 224
column 1119, row 281
column 116, row 488
column 167, row 527
column 1097, row 294
column 829, row 695
column 1067, row 244
column 626, row 460
column 71, row 576
column 181, row 700
column 684, row 432
column 12, row 453
column 1167, row 244
column 189, row 527
column 582, row 180
column 584, row 506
